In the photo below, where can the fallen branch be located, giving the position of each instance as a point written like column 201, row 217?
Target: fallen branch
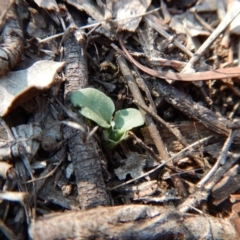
column 185, row 104
column 131, row 222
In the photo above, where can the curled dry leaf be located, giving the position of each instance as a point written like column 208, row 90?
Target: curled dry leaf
column 20, row 86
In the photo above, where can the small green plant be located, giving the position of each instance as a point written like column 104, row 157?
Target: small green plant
column 95, row 105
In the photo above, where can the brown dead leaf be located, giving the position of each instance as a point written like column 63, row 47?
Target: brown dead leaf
column 20, row 86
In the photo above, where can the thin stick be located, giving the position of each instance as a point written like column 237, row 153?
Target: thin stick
column 221, row 159
column 47, row 175
column 96, row 25
column 202, row 194
column 152, row 23
column 174, row 131
column 7, row 231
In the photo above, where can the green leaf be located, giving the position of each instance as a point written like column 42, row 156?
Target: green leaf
column 94, row 105
column 113, row 138
column 127, row 119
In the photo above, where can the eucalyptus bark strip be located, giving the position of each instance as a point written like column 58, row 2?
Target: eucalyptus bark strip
column 84, row 155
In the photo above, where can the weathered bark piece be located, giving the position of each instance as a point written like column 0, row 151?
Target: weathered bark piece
column 131, row 222
column 227, row 186
column 50, row 194
column 190, row 131
column 76, row 68
column 13, row 43
column 185, row 104
column 201, row 194
column 84, row 155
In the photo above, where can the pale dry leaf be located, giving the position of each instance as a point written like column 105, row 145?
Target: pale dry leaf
column 193, row 27
column 50, row 5
column 4, row 7
column 37, row 26
column 27, row 131
column 206, row 6
column 134, row 166
column 186, row 22
column 177, row 24
column 69, row 171
column 20, row 86
column 125, row 9
column 5, row 167
column 39, row 165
